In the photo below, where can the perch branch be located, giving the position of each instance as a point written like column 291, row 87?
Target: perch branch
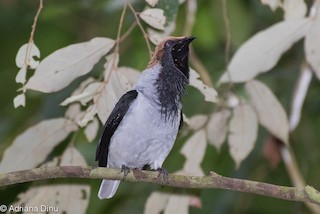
column 212, row 181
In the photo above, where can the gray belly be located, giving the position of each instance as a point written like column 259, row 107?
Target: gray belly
column 143, row 137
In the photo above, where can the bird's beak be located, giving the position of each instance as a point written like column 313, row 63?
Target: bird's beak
column 189, row 39
column 183, row 44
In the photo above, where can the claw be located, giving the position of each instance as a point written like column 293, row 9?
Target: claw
column 125, row 170
column 164, row 173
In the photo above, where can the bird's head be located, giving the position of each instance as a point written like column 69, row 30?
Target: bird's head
column 173, row 51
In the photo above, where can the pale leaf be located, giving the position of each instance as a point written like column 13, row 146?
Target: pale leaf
column 314, row 10
column 63, row 66
column 35, row 144
column 185, row 119
column 152, row 3
column 217, row 128
column 197, row 121
column 262, row 51
column 91, row 130
column 159, row 202
column 156, row 203
column 87, row 95
column 154, row 17
column 83, row 85
column 270, row 112
column 123, row 83
column 299, row 96
column 130, row 73
column 62, row 198
column 312, row 46
column 74, row 111
column 76, row 98
column 54, row 162
column 232, row 100
column 194, row 150
column 294, row 9
column 111, row 65
column 26, row 56
column 158, row 36
column 210, row 95
column 273, row 4
column 243, row 130
column 155, row 38
column 88, row 116
column 19, row 100
column 109, row 94
column 91, row 89
column 178, row 204
column 72, row 157
column 21, row 75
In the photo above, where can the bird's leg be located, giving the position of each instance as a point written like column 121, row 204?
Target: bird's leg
column 125, row 170
column 146, row 167
column 164, row 173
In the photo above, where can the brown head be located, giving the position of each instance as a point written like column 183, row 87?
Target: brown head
column 173, row 50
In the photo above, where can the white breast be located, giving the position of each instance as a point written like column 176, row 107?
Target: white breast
column 143, row 137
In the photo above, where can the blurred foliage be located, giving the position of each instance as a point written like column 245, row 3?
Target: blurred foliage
column 65, row 22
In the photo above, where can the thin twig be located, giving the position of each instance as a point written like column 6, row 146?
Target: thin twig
column 194, row 60
column 145, row 35
column 31, row 41
column 212, row 181
column 33, row 30
column 200, row 68
column 190, row 17
column 228, row 40
column 288, row 155
column 34, row 25
column 295, row 173
column 120, row 27
column 116, row 49
column 127, row 33
column 227, row 31
column 227, row 49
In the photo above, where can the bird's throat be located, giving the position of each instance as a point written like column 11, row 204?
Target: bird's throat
column 170, row 86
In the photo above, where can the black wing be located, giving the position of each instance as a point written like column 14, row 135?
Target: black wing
column 181, row 120
column 112, row 124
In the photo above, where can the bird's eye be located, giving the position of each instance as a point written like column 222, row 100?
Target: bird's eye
column 169, row 43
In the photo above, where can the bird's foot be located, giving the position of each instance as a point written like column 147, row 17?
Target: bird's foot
column 164, row 173
column 125, row 170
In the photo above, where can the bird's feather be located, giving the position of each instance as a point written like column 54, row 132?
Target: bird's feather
column 112, row 124
column 181, row 120
column 108, row 188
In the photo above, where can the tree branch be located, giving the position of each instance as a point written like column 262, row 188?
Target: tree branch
column 212, row 181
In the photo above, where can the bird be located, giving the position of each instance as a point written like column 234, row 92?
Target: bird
column 142, row 127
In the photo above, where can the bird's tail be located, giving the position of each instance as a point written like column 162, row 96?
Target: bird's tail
column 108, row 188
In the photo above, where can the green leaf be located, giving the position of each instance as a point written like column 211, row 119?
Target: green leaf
column 170, row 8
